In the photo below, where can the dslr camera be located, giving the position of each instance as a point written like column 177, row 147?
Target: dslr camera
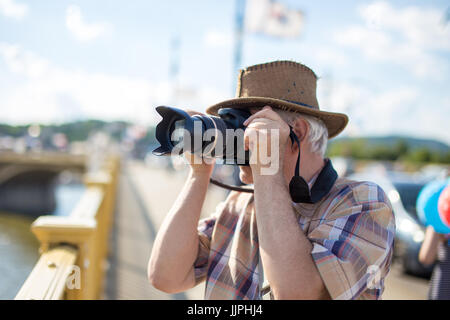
column 219, row 137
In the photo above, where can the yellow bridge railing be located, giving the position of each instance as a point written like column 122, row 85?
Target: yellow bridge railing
column 74, row 248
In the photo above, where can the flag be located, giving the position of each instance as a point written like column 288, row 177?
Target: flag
column 273, row 18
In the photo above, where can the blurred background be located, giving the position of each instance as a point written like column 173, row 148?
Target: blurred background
column 79, row 79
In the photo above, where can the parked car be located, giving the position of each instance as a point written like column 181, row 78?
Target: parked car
column 402, row 191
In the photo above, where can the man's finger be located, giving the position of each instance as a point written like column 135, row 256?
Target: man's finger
column 266, row 112
column 250, row 137
column 263, row 113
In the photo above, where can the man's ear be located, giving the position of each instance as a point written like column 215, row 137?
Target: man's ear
column 301, row 128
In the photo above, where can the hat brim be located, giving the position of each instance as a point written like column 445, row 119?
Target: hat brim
column 335, row 122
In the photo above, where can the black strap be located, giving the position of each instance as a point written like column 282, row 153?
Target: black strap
column 227, row 186
column 298, row 187
column 294, row 137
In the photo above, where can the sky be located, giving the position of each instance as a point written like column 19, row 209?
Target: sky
column 385, row 64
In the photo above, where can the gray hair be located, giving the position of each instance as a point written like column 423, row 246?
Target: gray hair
column 318, row 132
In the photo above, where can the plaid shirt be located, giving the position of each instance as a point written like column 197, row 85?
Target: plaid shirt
column 351, row 230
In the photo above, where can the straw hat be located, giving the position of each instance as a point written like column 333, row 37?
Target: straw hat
column 287, row 85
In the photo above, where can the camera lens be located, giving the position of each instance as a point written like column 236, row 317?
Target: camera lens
column 207, row 135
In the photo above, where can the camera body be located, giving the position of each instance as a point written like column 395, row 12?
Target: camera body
column 220, row 137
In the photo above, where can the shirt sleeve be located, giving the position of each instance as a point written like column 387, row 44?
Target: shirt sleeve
column 353, row 245
column 205, row 230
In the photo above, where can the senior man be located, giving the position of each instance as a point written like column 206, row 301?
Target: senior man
column 303, row 234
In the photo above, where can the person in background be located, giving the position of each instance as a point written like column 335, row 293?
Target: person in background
column 436, row 248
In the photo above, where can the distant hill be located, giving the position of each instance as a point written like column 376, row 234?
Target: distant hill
column 392, row 141
column 393, row 148
column 75, row 131
column 401, row 148
column 80, row 131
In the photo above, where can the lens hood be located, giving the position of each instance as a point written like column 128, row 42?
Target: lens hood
column 163, row 133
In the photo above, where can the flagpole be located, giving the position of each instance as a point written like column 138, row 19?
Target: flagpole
column 239, row 18
column 174, row 68
column 238, row 39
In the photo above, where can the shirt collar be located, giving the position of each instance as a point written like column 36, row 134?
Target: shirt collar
column 307, row 209
column 313, row 179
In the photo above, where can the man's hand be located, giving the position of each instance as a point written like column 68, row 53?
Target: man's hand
column 266, row 137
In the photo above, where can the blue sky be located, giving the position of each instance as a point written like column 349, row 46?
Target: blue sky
column 385, row 64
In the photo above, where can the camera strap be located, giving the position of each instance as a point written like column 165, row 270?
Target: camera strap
column 298, row 187
column 227, row 186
